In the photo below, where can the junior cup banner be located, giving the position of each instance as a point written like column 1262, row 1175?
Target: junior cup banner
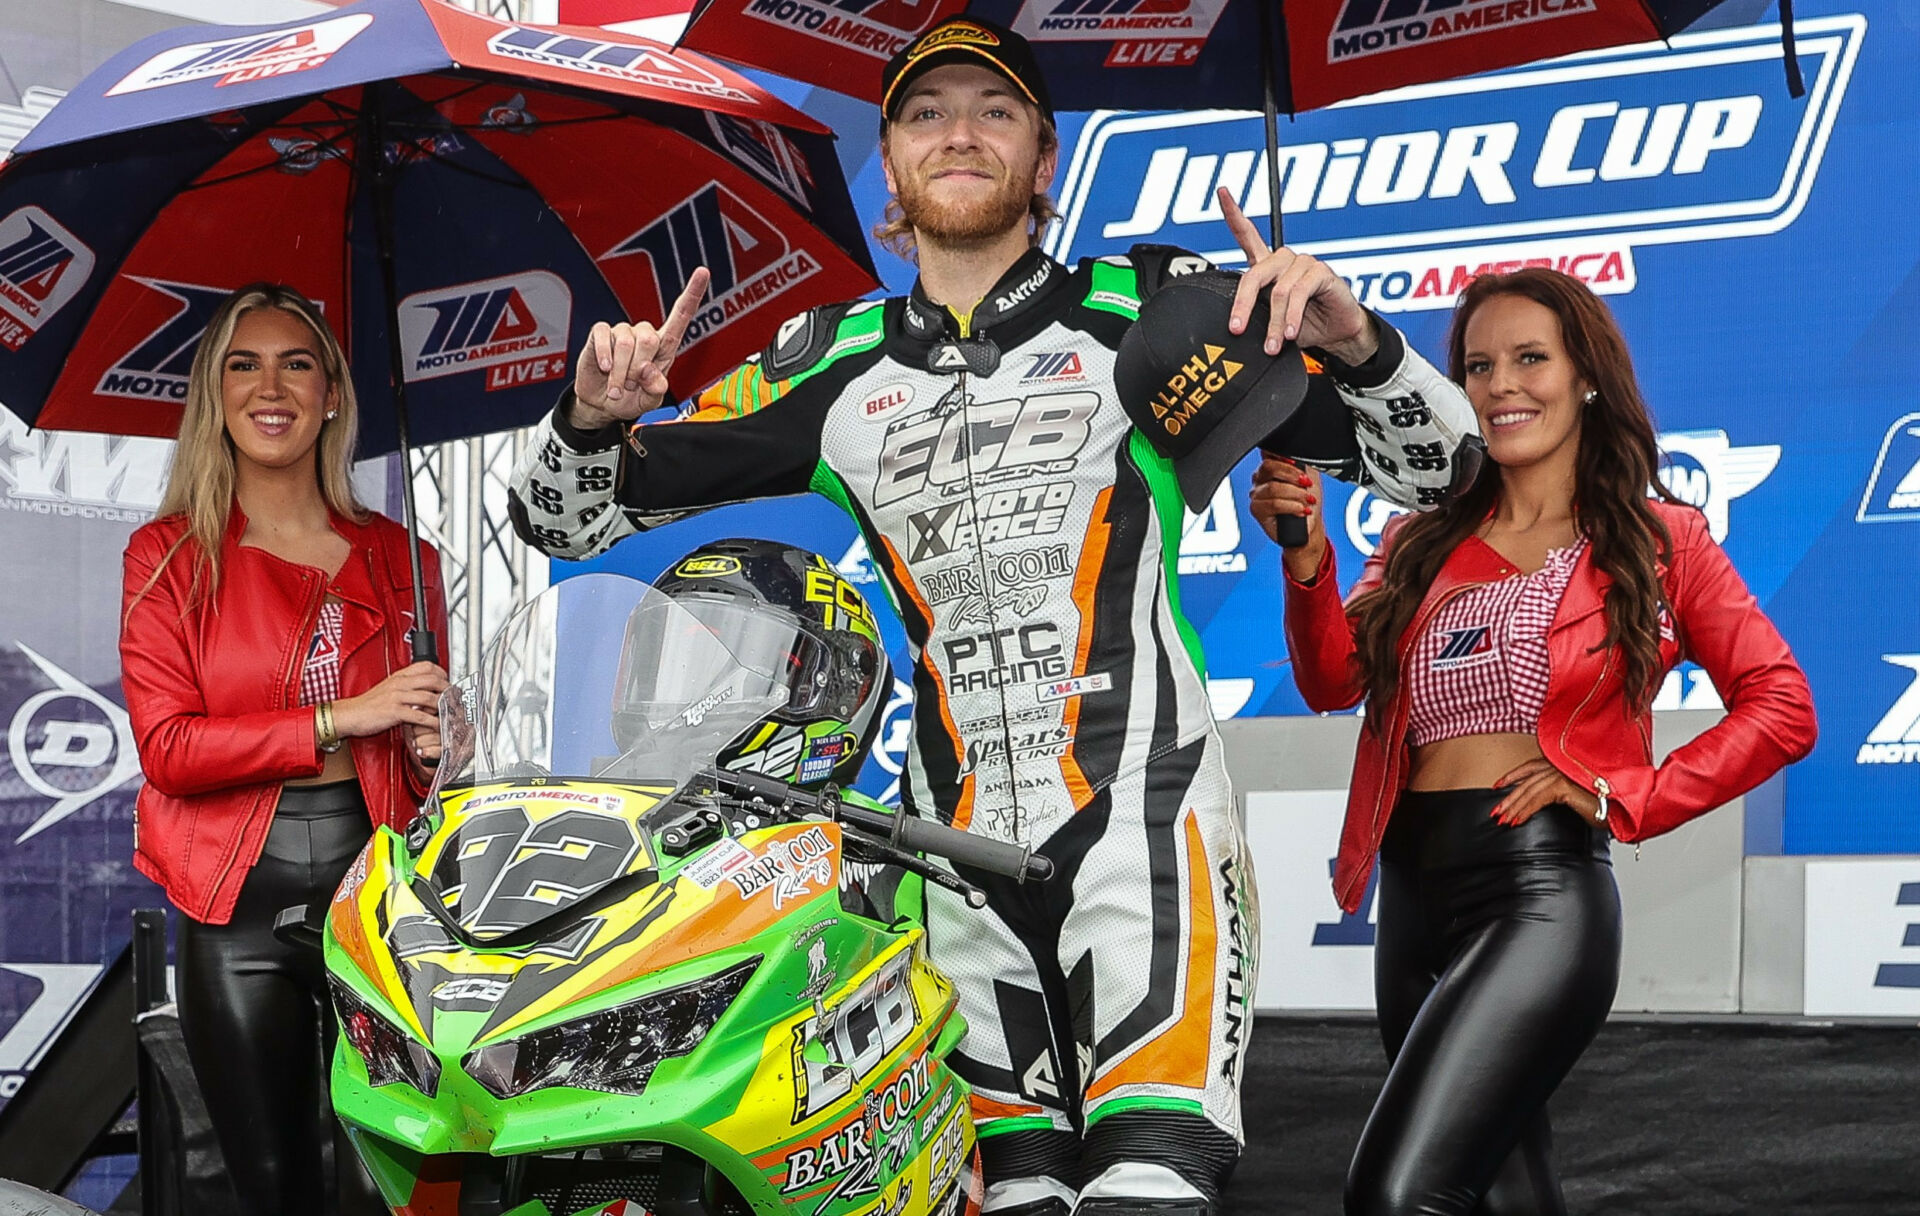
column 1758, row 250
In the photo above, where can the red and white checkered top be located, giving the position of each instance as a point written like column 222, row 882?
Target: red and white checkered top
column 1481, row 667
column 320, row 677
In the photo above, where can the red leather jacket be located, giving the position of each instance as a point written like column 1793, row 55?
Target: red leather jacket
column 213, row 689
column 1586, row 729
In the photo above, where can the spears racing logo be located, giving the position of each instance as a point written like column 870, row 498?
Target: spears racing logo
column 1417, row 190
column 156, row 368
column 1895, row 739
column 248, row 57
column 513, row 327
column 69, row 744
column 1138, row 33
column 42, row 267
column 1893, row 488
column 648, row 64
column 750, row 260
column 872, row 27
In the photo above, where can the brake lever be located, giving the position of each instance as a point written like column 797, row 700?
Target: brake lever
column 945, row 879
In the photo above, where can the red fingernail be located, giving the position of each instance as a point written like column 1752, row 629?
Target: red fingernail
column 1306, row 481
column 1311, row 500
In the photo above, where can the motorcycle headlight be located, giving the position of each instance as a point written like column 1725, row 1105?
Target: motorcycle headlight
column 614, row 1051
column 392, row 1056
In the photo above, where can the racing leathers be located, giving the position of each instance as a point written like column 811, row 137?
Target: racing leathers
column 1028, row 537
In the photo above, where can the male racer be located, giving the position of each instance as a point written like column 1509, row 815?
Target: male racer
column 1027, row 536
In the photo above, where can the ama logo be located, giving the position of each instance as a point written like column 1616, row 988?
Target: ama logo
column 514, row 327
column 1893, row 489
column 156, row 368
column 248, row 57
column 750, row 261
column 42, row 266
column 1706, row 470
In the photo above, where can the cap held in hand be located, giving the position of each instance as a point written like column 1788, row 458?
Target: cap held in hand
column 1203, row 395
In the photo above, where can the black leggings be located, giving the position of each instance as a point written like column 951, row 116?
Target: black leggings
column 1495, row 964
column 252, row 1011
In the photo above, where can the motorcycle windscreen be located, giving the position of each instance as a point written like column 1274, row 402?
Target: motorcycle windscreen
column 540, row 802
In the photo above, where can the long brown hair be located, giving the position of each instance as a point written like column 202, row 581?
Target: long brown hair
column 1617, row 465
column 895, row 234
column 202, row 477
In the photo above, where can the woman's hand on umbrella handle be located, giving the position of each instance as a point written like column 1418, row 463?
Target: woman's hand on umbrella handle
column 622, row 369
column 1312, row 306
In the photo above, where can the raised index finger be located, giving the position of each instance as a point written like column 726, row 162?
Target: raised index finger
column 675, row 326
column 1251, row 242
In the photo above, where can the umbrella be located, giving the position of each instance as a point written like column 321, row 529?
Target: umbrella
column 463, row 197
column 1195, row 54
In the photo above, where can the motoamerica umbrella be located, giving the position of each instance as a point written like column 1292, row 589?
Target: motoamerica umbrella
column 1193, row 54
column 464, row 197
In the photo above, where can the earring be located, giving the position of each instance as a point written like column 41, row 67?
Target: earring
column 332, row 414
column 1592, row 396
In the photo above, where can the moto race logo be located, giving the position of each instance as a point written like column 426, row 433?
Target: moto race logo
column 1210, row 541
column 1420, row 189
column 248, row 57
column 749, row 259
column 1140, row 33
column 68, row 743
column 1895, row 739
column 42, row 267
column 514, row 327
column 1368, row 27
column 652, row 65
column 994, row 441
column 1893, row 488
column 156, row 368
column 992, row 518
column 872, row 27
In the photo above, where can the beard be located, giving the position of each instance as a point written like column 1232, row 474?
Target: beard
column 957, row 222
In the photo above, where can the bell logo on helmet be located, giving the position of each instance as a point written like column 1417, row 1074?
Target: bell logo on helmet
column 708, row 567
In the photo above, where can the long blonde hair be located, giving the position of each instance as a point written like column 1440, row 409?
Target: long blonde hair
column 202, row 477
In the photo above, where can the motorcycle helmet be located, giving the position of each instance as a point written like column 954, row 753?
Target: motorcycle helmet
column 795, row 638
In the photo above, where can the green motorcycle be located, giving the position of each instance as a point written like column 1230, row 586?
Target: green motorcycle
column 604, row 974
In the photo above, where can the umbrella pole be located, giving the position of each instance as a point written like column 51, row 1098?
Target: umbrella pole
column 1268, row 74
column 420, row 637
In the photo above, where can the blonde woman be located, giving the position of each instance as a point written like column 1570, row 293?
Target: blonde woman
column 279, row 717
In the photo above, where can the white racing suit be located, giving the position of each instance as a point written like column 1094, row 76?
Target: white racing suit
column 1028, row 537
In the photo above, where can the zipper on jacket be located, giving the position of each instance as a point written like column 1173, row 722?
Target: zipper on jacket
column 1600, row 785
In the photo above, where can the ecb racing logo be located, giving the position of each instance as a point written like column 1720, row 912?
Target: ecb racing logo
column 42, row 267
column 248, row 57
column 157, row 365
column 992, row 441
column 1893, row 488
column 750, row 260
column 652, row 66
column 1415, row 191
column 514, row 328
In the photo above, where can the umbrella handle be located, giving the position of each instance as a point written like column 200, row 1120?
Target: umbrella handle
column 1275, row 237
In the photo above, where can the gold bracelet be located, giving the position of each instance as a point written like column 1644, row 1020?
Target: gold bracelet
column 323, row 729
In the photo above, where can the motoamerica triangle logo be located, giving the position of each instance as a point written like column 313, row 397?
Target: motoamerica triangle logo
column 42, row 267
column 750, row 261
column 247, row 57
column 156, row 367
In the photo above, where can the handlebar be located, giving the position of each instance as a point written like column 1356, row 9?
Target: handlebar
column 901, row 830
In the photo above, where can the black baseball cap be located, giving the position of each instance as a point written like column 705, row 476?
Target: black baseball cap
column 964, row 39
column 1204, row 396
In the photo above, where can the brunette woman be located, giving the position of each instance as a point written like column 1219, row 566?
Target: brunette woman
column 1509, row 645
column 278, row 714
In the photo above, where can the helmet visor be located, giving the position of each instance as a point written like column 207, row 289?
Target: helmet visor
column 699, row 652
